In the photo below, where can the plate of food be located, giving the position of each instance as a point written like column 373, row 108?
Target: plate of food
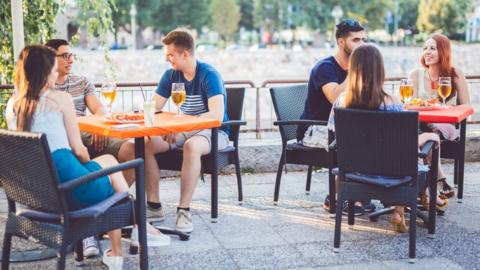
column 124, row 118
column 418, row 104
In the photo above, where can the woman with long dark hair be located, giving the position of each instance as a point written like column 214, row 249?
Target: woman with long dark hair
column 37, row 108
column 436, row 61
column 365, row 80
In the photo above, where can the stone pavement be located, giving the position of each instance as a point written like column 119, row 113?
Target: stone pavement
column 298, row 233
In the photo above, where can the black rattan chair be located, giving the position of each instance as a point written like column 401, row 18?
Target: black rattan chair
column 29, row 178
column 288, row 103
column 172, row 160
column 377, row 156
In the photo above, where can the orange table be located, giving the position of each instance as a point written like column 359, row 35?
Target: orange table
column 454, row 115
column 164, row 123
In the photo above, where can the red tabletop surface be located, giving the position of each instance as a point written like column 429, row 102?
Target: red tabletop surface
column 164, row 123
column 454, row 114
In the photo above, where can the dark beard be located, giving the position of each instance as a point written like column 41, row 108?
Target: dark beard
column 347, row 51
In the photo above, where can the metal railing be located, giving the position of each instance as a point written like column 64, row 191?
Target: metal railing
column 258, row 108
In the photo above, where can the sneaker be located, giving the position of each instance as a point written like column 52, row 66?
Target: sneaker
column 368, row 206
column 155, row 214
column 184, row 221
column 153, row 240
column 90, row 247
column 113, row 262
column 357, row 210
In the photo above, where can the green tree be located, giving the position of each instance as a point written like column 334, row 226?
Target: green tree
column 446, row 16
column 225, row 17
column 190, row 13
column 39, row 26
column 409, row 15
column 246, row 10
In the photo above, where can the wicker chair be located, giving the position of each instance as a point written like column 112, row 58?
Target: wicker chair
column 377, row 156
column 288, row 103
column 29, row 178
column 172, row 160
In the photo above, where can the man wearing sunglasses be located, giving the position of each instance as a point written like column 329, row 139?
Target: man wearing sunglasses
column 328, row 80
column 83, row 93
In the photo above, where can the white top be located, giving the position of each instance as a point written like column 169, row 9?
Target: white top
column 423, row 93
column 47, row 119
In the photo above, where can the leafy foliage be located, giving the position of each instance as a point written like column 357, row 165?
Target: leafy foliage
column 225, row 17
column 446, row 16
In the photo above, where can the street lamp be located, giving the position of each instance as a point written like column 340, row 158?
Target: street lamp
column 133, row 23
column 337, row 13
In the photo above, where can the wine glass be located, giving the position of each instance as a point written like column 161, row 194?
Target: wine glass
column 178, row 95
column 444, row 88
column 406, row 90
column 109, row 92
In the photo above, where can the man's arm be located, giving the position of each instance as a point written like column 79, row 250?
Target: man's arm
column 94, row 105
column 216, row 108
column 160, row 102
column 333, row 90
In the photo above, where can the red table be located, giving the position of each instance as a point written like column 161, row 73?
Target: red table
column 454, row 115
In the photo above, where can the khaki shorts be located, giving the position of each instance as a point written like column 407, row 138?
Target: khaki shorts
column 112, row 147
column 223, row 139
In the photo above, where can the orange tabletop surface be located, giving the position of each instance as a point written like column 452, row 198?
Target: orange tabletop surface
column 164, row 123
column 454, row 114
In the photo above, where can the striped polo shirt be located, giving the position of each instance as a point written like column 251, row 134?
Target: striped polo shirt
column 78, row 87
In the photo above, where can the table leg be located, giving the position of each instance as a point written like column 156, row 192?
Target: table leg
column 461, row 162
column 432, row 183
column 214, row 151
column 141, row 218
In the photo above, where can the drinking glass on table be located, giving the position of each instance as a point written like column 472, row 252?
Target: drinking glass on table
column 109, row 92
column 178, row 95
column 406, row 90
column 444, row 88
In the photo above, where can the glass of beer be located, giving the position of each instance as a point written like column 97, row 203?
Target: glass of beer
column 109, row 92
column 444, row 88
column 406, row 90
column 178, row 95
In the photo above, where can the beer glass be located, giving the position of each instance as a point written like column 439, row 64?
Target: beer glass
column 109, row 92
column 444, row 88
column 178, row 95
column 406, row 90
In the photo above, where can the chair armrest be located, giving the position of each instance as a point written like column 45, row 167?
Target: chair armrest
column 94, row 175
column 234, row 123
column 333, row 146
column 300, row 122
column 427, row 147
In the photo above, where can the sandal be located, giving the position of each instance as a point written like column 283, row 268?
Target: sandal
column 398, row 225
column 445, row 189
column 439, row 205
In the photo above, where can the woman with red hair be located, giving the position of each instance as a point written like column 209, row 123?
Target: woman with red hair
column 436, row 60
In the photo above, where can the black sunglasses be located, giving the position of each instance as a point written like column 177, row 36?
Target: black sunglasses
column 66, row 56
column 350, row 23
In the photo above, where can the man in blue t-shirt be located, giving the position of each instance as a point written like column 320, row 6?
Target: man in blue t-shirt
column 205, row 97
column 328, row 77
column 328, row 80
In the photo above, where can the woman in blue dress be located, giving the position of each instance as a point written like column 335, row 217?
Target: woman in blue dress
column 37, row 108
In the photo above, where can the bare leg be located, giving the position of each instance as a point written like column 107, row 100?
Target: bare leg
column 127, row 152
column 115, row 237
column 193, row 149
column 153, row 146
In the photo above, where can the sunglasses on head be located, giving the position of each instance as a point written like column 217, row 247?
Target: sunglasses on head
column 66, row 56
column 350, row 23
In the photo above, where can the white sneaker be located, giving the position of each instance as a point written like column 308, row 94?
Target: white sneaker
column 184, row 221
column 153, row 240
column 155, row 214
column 113, row 262
column 90, row 247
